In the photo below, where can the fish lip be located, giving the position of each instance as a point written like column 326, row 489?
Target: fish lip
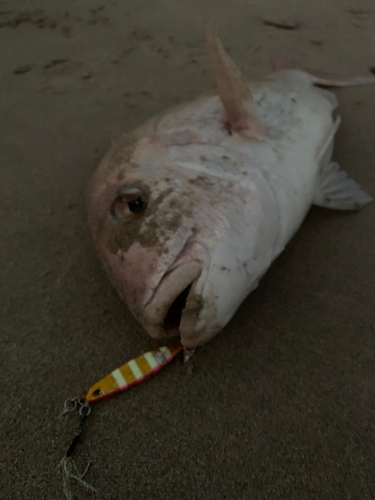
column 184, row 272
column 175, row 283
column 176, row 263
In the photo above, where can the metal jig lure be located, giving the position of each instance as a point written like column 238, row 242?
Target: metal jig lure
column 134, row 372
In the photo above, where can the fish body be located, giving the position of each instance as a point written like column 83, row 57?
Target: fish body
column 190, row 209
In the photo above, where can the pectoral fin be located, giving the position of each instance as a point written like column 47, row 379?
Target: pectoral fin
column 233, row 88
column 336, row 190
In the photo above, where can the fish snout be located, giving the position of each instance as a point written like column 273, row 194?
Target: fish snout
column 177, row 301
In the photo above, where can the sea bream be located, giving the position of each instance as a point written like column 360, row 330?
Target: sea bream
column 190, row 209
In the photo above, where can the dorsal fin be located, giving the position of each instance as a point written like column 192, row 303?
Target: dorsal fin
column 233, row 88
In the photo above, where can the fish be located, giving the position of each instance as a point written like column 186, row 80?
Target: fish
column 189, row 210
column 132, row 373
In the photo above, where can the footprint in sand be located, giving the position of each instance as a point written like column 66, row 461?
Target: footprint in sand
column 62, row 74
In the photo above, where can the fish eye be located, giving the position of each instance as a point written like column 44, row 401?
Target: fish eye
column 137, row 205
column 128, row 201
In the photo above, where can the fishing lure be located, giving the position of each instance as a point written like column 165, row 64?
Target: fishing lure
column 132, row 373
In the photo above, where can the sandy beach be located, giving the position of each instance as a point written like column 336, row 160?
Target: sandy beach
column 281, row 404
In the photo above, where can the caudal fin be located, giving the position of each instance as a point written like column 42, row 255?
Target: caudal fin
column 280, row 63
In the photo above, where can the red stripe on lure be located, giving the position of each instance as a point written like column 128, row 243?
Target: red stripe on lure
column 132, row 373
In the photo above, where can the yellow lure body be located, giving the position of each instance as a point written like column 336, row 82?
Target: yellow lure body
column 133, row 372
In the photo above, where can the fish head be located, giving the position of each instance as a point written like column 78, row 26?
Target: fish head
column 173, row 240
column 182, row 225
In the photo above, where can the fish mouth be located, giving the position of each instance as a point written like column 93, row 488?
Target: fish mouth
column 171, row 311
column 176, row 303
column 173, row 317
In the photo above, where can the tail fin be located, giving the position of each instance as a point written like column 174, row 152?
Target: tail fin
column 321, row 78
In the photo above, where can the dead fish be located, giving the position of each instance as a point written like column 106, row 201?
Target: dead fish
column 189, row 210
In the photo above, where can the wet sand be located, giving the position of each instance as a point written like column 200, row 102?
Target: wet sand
column 281, row 404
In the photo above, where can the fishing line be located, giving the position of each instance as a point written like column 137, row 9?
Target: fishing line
column 132, row 373
column 67, row 464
